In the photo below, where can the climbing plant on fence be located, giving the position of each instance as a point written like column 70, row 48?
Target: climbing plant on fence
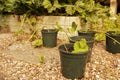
column 50, row 7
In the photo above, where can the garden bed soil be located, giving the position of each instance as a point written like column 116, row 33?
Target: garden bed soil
column 19, row 60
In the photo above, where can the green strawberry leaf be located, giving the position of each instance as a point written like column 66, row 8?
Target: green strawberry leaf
column 80, row 46
column 59, row 28
column 37, row 43
column 41, row 58
column 73, row 28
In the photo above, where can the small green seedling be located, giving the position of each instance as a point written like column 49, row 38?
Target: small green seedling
column 99, row 36
column 80, row 46
column 73, row 27
column 41, row 59
column 37, row 43
column 59, row 27
column 19, row 32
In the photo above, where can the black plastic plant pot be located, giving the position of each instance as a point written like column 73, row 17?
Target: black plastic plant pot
column 111, row 45
column 49, row 37
column 72, row 64
column 87, row 34
column 89, row 43
column 73, row 39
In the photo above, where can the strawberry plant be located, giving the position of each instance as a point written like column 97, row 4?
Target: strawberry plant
column 100, row 36
column 80, row 46
column 37, row 43
column 41, row 58
column 73, row 27
column 70, row 29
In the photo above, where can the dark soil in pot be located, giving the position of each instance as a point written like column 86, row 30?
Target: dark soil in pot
column 49, row 37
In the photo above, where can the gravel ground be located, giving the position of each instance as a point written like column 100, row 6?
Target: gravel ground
column 103, row 65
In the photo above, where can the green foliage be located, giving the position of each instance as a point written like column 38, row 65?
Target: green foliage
column 41, row 58
column 19, row 32
column 80, row 46
column 33, row 22
column 88, row 10
column 118, row 21
column 70, row 29
column 90, row 13
column 109, row 24
column 58, row 7
column 99, row 36
column 37, row 43
column 19, row 6
column 8, row 5
column 70, row 9
column 59, row 28
column 112, row 24
column 51, row 7
column 55, row 6
column 73, row 28
column 47, row 4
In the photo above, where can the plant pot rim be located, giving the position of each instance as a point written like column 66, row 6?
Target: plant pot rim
column 73, row 40
column 49, row 30
column 82, row 31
